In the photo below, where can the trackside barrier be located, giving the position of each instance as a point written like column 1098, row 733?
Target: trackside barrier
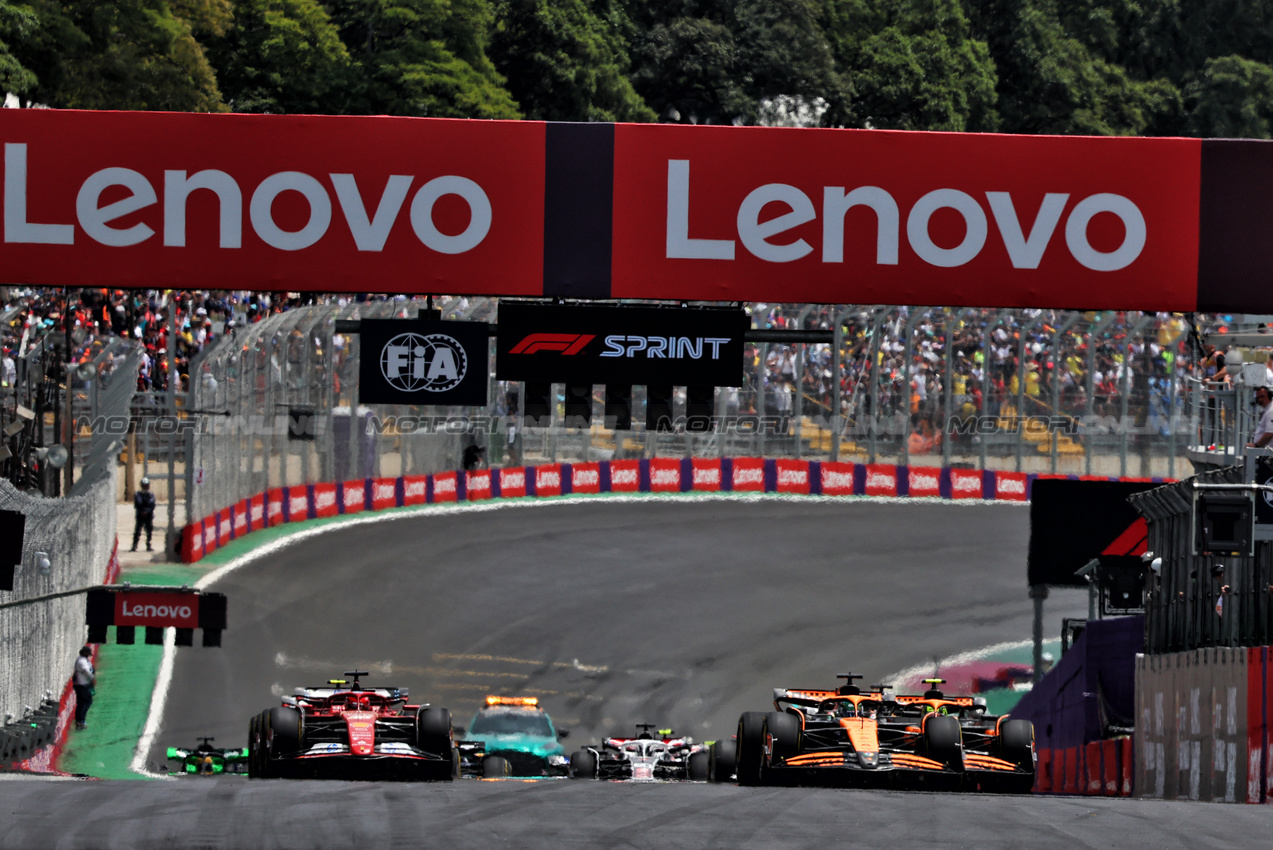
column 658, row 475
column 1082, row 709
column 1202, row 725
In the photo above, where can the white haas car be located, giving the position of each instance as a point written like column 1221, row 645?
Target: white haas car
column 645, row 758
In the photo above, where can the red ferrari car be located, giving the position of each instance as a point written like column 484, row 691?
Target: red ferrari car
column 351, row 732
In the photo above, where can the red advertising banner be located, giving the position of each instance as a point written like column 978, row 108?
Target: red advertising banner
column 585, row 478
column 256, row 512
column 665, row 475
column 837, row 479
column 923, row 481
column 548, row 480
column 650, row 211
column 325, row 500
column 272, row 202
column 965, row 484
column 224, row 529
column 706, row 472
column 478, row 485
column 881, row 479
column 748, row 474
column 445, row 488
column 160, row 609
column 1010, row 486
column 355, row 497
column 625, row 476
column 192, row 543
column 241, row 518
column 867, row 216
column 297, row 503
column 384, row 493
column 793, row 475
column 512, row 482
column 274, row 505
column 415, row 489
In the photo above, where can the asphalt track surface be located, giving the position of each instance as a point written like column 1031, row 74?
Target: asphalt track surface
column 682, row 613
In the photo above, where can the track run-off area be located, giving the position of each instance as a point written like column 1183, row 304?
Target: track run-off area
column 680, row 611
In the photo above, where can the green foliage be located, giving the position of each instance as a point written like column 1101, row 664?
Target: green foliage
column 1058, row 74
column 422, row 57
column 1232, row 98
column 734, row 61
column 282, row 56
column 127, row 54
column 564, row 62
column 1157, row 67
column 16, row 22
column 914, row 65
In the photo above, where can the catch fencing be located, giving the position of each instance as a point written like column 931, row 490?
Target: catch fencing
column 276, row 405
column 1028, row 392
column 68, row 545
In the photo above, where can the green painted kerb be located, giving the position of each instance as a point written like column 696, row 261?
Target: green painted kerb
column 125, row 682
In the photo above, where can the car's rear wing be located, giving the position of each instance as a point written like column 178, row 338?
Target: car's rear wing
column 910, row 699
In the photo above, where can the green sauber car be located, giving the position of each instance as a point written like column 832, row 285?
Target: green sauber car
column 206, row 759
column 513, row 736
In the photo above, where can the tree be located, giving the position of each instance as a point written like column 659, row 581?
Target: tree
column 422, row 57
column 1232, row 98
column 282, row 56
column 913, row 65
column 1051, row 81
column 128, row 54
column 16, row 22
column 563, row 62
column 733, row 61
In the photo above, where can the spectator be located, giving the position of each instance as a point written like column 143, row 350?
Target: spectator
column 1264, row 427
column 143, row 514
column 473, row 457
column 84, row 681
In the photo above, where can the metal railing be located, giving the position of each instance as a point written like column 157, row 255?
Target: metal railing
column 74, row 534
column 1033, row 391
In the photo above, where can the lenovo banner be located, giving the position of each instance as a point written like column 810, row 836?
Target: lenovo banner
column 407, row 361
column 647, row 211
column 157, row 609
column 673, row 346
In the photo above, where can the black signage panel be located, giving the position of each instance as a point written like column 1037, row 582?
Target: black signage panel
column 412, row 361
column 1072, row 522
column 672, row 346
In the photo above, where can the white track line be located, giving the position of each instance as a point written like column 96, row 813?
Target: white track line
column 926, row 669
column 163, row 680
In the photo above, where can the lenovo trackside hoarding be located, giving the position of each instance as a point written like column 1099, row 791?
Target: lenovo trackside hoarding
column 634, row 211
column 294, row 203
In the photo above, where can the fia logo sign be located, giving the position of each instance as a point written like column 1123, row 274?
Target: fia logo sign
column 432, row 363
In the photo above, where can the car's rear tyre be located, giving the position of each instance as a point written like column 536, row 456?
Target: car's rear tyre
column 495, row 767
column 254, row 746
column 723, row 761
column 285, row 730
column 456, row 763
column 785, row 730
column 1015, row 740
column 699, row 767
column 583, row 764
column 433, row 730
column 943, row 741
column 751, row 745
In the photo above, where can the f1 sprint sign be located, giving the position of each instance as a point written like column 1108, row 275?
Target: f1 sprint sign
column 635, row 211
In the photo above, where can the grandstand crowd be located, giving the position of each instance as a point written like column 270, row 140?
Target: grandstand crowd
column 1052, row 362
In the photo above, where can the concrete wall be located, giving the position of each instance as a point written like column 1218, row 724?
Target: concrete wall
column 1202, row 730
